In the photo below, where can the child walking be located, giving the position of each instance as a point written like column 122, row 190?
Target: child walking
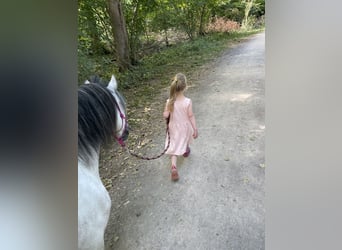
column 182, row 123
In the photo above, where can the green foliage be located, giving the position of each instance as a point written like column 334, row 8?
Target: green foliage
column 149, row 22
column 235, row 10
column 94, row 32
column 232, row 10
column 136, row 12
column 163, row 19
column 254, row 12
column 258, row 9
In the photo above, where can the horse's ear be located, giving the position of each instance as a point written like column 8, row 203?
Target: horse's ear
column 113, row 85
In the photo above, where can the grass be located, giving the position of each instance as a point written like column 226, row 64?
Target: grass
column 183, row 57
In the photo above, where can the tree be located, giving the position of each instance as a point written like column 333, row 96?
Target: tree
column 138, row 14
column 124, row 27
column 120, row 34
column 203, row 18
column 188, row 15
column 248, row 7
column 258, row 9
column 194, row 15
column 232, row 10
column 206, row 9
column 163, row 18
column 94, row 34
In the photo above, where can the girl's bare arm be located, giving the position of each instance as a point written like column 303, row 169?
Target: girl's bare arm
column 166, row 112
column 192, row 121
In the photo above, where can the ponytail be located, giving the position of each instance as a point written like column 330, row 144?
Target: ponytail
column 173, row 95
column 178, row 84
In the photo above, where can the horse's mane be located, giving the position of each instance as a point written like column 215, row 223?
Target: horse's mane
column 96, row 118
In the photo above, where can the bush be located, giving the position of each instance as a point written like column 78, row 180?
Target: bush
column 220, row 24
column 254, row 23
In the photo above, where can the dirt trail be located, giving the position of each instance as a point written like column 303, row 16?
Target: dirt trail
column 218, row 203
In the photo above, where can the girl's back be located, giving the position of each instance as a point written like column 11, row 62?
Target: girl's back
column 180, row 113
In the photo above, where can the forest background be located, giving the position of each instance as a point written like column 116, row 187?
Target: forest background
column 144, row 42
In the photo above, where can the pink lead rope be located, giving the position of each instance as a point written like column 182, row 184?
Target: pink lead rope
column 122, row 143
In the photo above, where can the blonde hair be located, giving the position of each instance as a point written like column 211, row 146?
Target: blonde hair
column 178, row 84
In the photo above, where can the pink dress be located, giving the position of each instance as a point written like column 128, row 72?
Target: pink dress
column 180, row 127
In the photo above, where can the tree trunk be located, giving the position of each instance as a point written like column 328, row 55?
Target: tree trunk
column 201, row 30
column 166, row 38
column 248, row 7
column 120, row 34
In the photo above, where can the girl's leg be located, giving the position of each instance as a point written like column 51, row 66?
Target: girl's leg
column 174, row 160
column 187, row 153
column 174, row 172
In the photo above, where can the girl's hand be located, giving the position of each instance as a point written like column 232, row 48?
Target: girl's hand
column 166, row 114
column 195, row 134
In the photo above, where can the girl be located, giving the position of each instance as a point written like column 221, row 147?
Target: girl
column 182, row 123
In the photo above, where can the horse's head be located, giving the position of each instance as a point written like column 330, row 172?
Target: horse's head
column 101, row 116
column 121, row 118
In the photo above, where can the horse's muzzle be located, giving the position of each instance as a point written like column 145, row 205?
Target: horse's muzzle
column 125, row 133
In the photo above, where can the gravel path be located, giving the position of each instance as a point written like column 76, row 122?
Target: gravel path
column 218, row 203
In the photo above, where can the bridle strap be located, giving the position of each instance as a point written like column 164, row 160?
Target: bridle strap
column 123, row 145
column 124, row 124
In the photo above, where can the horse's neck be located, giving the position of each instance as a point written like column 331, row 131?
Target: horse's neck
column 93, row 162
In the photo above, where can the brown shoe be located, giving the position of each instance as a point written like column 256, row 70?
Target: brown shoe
column 187, row 153
column 174, row 173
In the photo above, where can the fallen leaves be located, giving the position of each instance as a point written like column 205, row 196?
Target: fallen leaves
column 147, row 131
column 107, row 183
